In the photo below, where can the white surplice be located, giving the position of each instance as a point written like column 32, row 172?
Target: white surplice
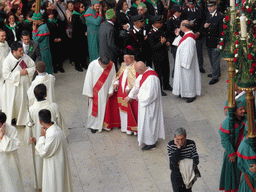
column 93, row 74
column 48, row 80
column 15, row 100
column 4, row 51
column 53, row 149
column 10, row 176
column 150, row 111
column 187, row 78
column 36, row 130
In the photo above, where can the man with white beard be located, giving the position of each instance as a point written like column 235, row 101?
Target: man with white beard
column 10, row 176
column 150, row 112
column 187, row 78
column 4, row 51
column 98, row 87
column 18, row 70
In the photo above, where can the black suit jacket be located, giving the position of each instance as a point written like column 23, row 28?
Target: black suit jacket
column 151, row 9
column 172, row 24
column 108, row 36
column 213, row 32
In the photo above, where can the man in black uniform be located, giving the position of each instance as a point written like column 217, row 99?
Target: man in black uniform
column 135, row 40
column 213, row 28
column 159, row 50
column 196, row 16
column 173, row 24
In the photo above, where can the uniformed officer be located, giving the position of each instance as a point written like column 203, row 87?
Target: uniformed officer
column 136, row 39
column 159, row 49
column 213, row 28
column 196, row 16
column 173, row 24
column 142, row 10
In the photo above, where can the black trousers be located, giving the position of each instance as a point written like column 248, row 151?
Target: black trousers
column 199, row 49
column 177, row 183
column 162, row 68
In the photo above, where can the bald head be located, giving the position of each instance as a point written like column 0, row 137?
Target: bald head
column 140, row 67
column 185, row 26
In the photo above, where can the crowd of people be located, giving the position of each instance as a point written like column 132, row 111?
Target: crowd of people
column 124, row 47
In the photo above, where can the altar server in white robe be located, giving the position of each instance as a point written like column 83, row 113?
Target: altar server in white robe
column 42, row 103
column 98, row 87
column 10, row 176
column 150, row 112
column 17, row 81
column 43, row 77
column 4, row 51
column 187, row 78
column 52, row 147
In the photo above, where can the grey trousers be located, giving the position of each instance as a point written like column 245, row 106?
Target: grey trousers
column 215, row 57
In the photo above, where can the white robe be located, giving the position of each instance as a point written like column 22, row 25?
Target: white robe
column 4, row 51
column 53, row 149
column 10, row 176
column 93, row 74
column 187, row 80
column 150, row 111
column 36, row 130
column 15, row 100
column 48, row 80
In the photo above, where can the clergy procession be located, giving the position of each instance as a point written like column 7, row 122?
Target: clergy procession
column 132, row 75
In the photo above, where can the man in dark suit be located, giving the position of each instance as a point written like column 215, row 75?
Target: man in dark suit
column 173, row 24
column 108, row 35
column 159, row 49
column 30, row 47
column 155, row 7
column 213, row 29
column 196, row 16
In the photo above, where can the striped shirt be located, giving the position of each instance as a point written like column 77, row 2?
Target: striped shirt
column 187, row 151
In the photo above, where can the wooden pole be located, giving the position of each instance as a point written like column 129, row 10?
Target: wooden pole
column 37, row 7
column 231, row 98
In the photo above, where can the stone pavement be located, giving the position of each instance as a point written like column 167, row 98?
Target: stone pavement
column 113, row 161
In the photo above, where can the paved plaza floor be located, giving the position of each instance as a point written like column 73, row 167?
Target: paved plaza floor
column 113, row 161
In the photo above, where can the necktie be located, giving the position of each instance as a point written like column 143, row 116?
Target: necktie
column 26, row 49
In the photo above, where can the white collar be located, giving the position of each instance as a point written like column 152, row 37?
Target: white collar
column 42, row 74
column 110, row 22
column 154, row 28
column 4, row 44
column 24, row 45
column 188, row 32
column 138, row 30
column 213, row 13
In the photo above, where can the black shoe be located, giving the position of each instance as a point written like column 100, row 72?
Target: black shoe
column 14, row 121
column 202, row 70
column 79, row 69
column 164, row 94
column 61, row 70
column 93, row 130
column 190, row 100
column 213, row 81
column 169, row 88
column 55, row 71
column 148, row 147
column 210, row 75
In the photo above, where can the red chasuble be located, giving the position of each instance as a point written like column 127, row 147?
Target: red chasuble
column 98, row 86
column 192, row 35
column 116, row 103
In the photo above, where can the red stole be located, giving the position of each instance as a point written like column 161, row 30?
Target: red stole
column 98, row 86
column 146, row 74
column 192, row 35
